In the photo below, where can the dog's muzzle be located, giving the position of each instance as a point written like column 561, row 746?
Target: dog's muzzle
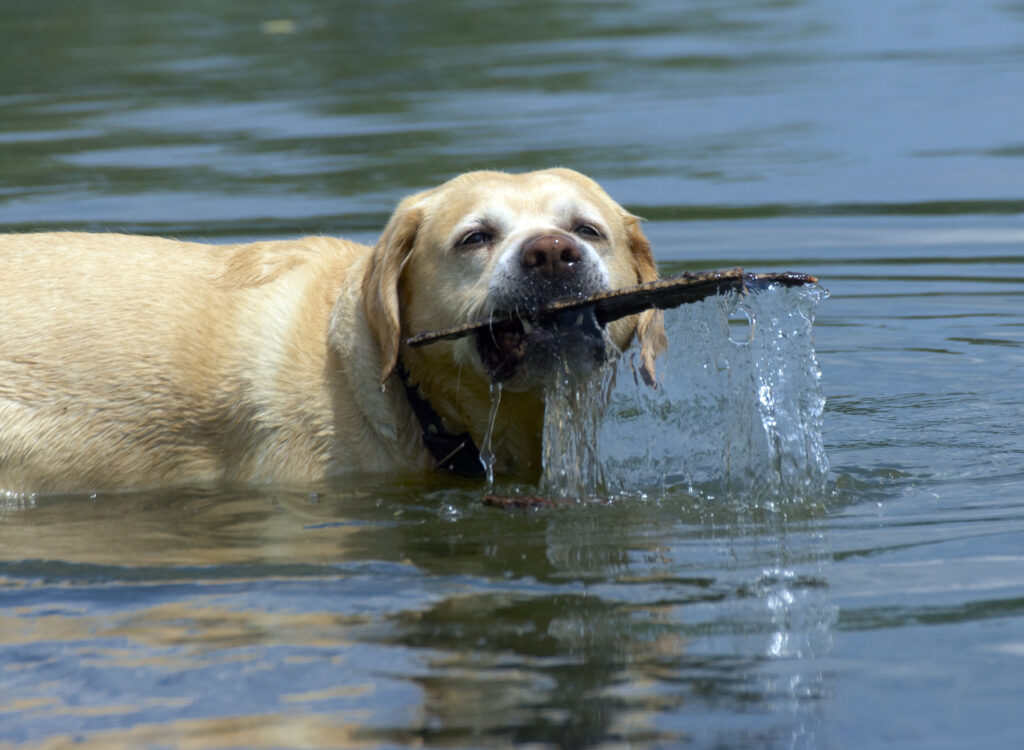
column 524, row 348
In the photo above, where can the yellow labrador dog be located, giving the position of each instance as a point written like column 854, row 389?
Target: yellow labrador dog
column 130, row 362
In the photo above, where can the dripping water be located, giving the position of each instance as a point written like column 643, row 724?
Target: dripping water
column 574, row 407
column 487, row 449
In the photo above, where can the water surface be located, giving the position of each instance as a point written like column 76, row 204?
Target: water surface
column 877, row 146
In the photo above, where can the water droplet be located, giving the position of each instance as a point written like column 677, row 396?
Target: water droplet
column 449, row 512
column 741, row 326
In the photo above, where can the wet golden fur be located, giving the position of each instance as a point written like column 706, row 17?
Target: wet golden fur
column 130, row 361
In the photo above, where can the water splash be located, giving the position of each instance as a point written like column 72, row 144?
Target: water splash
column 740, row 408
column 738, row 413
column 787, row 377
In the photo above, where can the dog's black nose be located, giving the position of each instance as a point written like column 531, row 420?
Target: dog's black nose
column 550, row 255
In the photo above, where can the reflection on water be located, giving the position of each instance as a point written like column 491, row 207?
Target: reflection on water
column 378, row 616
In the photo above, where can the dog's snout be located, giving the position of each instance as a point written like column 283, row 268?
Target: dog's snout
column 550, row 255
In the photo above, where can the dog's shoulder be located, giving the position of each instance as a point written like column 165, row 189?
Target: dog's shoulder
column 259, row 263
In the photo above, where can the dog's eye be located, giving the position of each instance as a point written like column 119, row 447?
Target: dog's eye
column 476, row 237
column 588, row 230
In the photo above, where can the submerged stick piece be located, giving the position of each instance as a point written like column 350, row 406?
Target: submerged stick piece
column 521, row 502
column 537, row 502
column 662, row 294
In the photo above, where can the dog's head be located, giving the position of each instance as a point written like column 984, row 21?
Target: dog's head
column 492, row 244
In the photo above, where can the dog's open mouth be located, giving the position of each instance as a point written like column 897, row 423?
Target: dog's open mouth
column 532, row 347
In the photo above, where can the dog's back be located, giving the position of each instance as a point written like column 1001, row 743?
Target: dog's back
column 142, row 360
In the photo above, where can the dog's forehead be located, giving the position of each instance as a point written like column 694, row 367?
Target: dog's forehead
column 507, row 201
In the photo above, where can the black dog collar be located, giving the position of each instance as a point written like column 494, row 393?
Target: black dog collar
column 455, row 453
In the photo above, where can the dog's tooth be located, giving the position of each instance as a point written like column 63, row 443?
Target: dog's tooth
column 527, row 328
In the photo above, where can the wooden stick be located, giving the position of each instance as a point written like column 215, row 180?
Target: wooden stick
column 663, row 294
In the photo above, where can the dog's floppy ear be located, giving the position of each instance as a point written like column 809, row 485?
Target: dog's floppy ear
column 381, row 285
column 650, row 326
